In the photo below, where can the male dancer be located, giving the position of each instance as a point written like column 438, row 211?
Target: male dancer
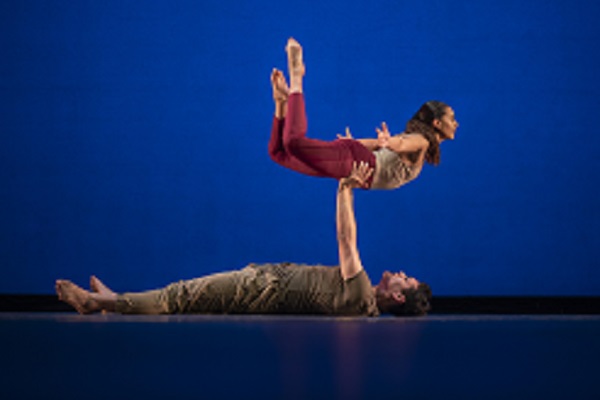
column 280, row 288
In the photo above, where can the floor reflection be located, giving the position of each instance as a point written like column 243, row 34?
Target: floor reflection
column 253, row 357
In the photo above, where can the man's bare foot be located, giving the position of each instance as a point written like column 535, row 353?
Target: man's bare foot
column 295, row 65
column 280, row 86
column 78, row 298
column 97, row 286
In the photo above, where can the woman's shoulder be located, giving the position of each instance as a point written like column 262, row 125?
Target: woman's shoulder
column 412, row 135
column 414, row 140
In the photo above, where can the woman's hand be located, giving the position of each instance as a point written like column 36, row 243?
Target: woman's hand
column 347, row 136
column 383, row 136
column 358, row 177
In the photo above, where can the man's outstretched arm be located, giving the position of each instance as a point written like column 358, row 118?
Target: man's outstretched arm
column 350, row 264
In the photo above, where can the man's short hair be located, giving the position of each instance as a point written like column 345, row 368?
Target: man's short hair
column 418, row 302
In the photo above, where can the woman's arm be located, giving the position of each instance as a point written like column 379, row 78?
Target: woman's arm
column 404, row 143
column 408, row 143
column 371, row 144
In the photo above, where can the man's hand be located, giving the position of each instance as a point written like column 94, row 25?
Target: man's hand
column 383, row 136
column 358, row 177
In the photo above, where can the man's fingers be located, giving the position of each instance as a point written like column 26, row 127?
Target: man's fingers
column 361, row 171
column 364, row 170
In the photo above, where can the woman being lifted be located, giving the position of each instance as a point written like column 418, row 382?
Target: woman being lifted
column 396, row 159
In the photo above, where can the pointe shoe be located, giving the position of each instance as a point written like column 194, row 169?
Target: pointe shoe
column 295, row 61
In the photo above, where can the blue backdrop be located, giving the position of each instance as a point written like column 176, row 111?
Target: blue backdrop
column 134, row 134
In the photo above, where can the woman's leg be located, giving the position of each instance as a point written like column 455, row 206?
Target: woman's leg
column 328, row 159
column 289, row 145
column 277, row 151
column 281, row 156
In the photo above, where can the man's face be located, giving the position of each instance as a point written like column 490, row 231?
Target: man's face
column 397, row 282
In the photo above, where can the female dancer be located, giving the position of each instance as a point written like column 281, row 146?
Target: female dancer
column 397, row 159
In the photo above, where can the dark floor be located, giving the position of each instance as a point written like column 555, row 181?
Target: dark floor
column 66, row 356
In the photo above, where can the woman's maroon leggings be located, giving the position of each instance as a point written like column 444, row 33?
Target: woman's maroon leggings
column 290, row 147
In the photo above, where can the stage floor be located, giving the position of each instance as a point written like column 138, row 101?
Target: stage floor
column 67, row 356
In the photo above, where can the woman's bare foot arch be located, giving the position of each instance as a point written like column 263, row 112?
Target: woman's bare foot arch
column 280, row 87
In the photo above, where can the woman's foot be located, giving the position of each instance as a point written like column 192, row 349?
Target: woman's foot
column 295, row 65
column 280, row 87
column 294, row 53
column 78, row 298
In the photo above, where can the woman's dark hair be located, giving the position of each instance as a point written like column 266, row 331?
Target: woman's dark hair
column 422, row 122
column 417, row 303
